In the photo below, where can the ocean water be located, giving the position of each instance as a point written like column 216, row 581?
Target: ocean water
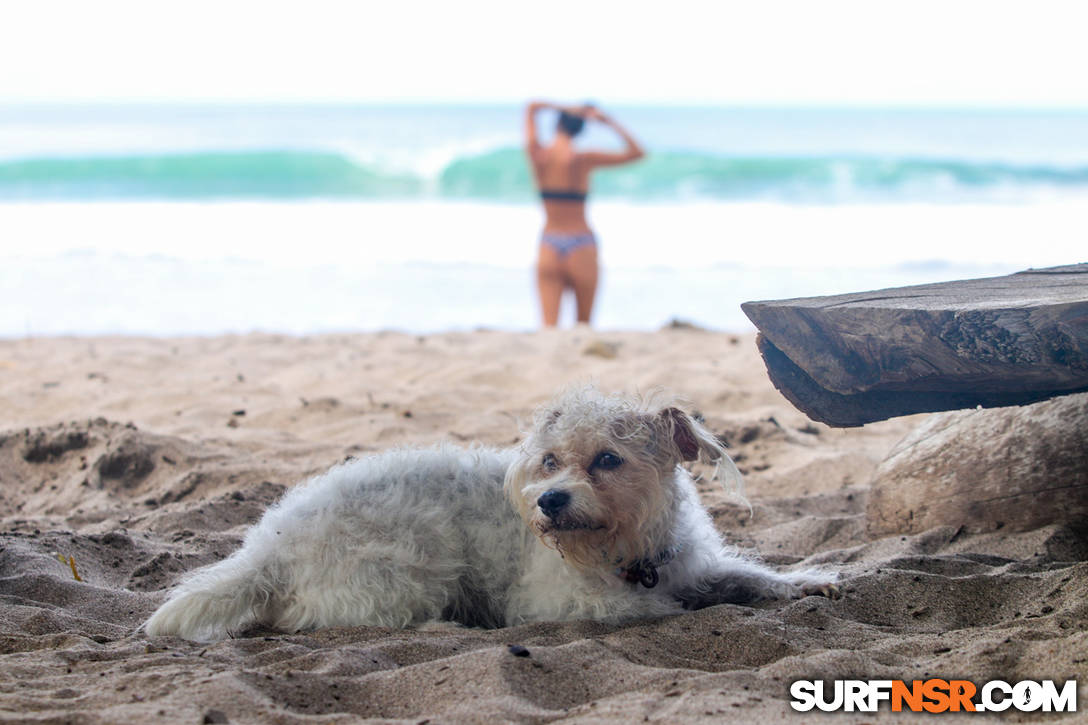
column 210, row 219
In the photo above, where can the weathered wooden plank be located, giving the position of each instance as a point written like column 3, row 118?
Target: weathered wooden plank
column 851, row 359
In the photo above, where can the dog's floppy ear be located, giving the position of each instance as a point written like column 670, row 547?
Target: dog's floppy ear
column 690, row 438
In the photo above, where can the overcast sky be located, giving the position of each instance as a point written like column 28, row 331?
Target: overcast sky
column 756, row 52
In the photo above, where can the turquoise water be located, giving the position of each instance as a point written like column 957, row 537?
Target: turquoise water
column 503, row 175
column 298, row 153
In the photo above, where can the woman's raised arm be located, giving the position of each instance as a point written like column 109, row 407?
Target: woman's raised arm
column 633, row 152
column 532, row 144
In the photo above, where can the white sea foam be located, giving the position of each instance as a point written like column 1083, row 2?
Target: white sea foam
column 180, row 268
column 676, row 236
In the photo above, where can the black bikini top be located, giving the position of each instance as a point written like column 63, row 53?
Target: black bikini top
column 557, row 195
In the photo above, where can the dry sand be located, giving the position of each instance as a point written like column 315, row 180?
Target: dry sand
column 144, row 458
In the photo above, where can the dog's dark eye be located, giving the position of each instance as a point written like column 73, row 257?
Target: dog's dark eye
column 549, row 463
column 607, row 460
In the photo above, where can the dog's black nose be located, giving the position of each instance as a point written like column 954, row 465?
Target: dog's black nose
column 552, row 502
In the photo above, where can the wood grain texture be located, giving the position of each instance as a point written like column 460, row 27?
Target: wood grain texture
column 851, row 359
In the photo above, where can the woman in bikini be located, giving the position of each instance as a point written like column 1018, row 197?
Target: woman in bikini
column 568, row 249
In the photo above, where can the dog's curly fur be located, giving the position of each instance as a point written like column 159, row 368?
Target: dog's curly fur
column 591, row 517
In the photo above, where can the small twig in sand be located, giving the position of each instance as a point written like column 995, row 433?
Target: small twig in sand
column 70, row 561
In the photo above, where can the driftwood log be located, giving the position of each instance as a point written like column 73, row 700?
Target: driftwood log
column 852, row 359
column 1013, row 469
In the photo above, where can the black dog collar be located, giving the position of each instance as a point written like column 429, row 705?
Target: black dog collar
column 644, row 571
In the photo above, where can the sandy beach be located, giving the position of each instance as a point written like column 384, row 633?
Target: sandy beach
column 126, row 462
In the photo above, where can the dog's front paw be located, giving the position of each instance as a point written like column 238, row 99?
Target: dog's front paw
column 829, row 590
column 815, row 583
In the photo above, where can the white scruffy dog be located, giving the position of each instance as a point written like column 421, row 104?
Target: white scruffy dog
column 591, row 517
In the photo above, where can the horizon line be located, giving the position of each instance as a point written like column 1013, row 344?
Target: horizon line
column 495, row 103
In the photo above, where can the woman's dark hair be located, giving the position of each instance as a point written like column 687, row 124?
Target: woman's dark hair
column 570, row 124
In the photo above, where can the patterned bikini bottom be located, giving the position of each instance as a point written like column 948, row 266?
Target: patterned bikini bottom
column 564, row 244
